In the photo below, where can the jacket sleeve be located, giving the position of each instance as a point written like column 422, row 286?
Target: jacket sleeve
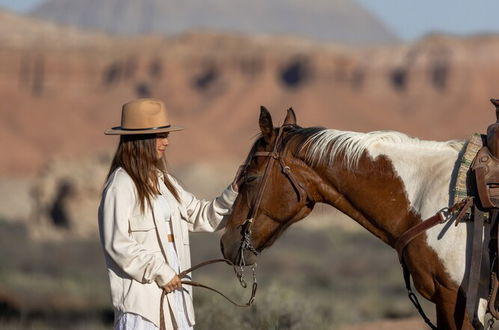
column 139, row 263
column 205, row 215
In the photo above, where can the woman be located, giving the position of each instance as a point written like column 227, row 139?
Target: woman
column 144, row 219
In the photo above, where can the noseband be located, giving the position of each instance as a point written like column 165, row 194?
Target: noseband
column 286, row 170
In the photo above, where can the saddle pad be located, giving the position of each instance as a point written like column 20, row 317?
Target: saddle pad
column 467, row 154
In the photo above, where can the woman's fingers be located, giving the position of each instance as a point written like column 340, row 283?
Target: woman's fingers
column 175, row 283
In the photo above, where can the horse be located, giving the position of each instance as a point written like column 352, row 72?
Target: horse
column 386, row 181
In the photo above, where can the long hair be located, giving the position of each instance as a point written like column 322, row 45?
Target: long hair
column 136, row 154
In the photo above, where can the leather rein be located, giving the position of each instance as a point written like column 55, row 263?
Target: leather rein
column 245, row 229
column 185, row 274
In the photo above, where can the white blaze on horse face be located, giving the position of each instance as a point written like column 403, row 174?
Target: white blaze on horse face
column 425, row 170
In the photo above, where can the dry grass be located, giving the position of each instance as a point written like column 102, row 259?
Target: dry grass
column 309, row 280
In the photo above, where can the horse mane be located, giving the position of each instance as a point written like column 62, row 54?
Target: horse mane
column 320, row 146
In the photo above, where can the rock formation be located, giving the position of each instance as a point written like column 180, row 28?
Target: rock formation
column 65, row 196
column 61, row 88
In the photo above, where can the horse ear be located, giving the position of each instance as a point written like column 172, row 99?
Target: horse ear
column 290, row 117
column 266, row 124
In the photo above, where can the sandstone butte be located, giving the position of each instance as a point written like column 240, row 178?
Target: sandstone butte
column 60, row 88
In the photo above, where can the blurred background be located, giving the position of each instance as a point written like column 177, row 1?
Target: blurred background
column 425, row 68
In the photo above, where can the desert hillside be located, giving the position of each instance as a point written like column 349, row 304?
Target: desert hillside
column 62, row 87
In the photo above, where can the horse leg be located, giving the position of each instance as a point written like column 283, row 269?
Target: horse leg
column 451, row 308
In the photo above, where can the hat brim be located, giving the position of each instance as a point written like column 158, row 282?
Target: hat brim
column 119, row 131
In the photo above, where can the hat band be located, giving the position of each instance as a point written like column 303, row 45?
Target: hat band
column 144, row 129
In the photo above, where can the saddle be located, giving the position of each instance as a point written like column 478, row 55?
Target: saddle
column 486, row 166
column 483, row 278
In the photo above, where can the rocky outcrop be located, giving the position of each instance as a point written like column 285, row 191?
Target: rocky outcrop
column 65, row 196
column 332, row 20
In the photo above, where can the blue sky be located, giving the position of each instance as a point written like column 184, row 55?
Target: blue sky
column 18, row 5
column 410, row 19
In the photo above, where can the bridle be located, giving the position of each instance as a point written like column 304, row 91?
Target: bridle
column 273, row 156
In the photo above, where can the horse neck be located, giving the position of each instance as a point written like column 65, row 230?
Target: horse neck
column 390, row 189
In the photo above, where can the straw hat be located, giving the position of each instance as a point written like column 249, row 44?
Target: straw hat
column 143, row 116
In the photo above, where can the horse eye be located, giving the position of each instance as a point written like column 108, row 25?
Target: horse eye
column 250, row 179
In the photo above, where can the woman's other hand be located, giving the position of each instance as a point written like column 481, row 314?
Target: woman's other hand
column 175, row 283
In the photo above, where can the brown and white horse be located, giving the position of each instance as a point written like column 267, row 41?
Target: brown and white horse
column 386, row 181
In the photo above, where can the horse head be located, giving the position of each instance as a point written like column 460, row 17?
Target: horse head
column 275, row 192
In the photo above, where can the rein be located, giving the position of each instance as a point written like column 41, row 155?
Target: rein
column 245, row 229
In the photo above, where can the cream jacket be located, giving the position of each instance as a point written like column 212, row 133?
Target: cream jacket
column 136, row 266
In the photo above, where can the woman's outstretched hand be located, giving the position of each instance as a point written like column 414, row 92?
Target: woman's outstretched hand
column 238, row 179
column 175, row 283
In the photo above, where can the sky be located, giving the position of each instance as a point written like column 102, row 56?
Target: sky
column 412, row 19
column 409, row 19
